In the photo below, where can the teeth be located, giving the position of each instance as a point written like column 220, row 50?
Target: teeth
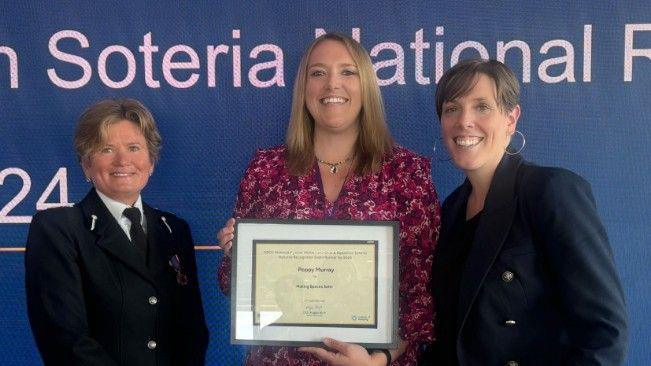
column 468, row 141
column 121, row 174
column 337, row 100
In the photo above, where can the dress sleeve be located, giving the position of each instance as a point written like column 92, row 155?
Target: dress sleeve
column 419, row 228
column 245, row 206
column 581, row 260
column 55, row 299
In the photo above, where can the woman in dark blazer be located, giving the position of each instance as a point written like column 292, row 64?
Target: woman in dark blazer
column 112, row 281
column 524, row 273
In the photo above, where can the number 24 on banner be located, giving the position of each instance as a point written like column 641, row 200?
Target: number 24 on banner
column 60, row 179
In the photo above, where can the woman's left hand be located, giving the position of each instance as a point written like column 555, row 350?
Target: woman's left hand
column 345, row 354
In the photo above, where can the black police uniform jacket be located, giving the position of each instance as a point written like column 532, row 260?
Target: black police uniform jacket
column 92, row 299
column 539, row 286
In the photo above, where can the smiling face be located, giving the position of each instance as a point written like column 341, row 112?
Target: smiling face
column 333, row 88
column 120, row 166
column 475, row 130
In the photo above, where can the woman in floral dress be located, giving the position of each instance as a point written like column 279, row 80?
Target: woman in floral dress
column 339, row 162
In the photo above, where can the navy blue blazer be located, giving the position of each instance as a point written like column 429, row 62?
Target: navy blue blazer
column 539, row 286
column 92, row 299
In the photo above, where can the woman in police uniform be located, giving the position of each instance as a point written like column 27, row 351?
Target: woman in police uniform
column 113, row 281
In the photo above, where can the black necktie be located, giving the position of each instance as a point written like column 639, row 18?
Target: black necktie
column 137, row 233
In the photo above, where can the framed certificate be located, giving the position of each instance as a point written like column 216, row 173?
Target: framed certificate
column 295, row 282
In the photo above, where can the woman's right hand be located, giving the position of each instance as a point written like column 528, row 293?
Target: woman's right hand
column 225, row 236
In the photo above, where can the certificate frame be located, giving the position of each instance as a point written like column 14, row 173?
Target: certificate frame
column 268, row 253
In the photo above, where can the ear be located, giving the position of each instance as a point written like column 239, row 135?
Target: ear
column 513, row 118
column 85, row 165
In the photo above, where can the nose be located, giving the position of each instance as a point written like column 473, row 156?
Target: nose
column 333, row 81
column 121, row 157
column 466, row 118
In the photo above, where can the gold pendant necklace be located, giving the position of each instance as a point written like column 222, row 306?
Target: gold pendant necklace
column 334, row 167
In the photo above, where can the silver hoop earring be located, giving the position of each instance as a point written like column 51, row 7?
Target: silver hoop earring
column 439, row 152
column 524, row 142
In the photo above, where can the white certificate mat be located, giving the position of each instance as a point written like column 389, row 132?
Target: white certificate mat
column 295, row 282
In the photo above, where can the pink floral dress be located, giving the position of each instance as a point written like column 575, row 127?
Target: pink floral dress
column 402, row 190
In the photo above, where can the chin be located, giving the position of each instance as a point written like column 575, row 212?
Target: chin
column 337, row 126
column 466, row 164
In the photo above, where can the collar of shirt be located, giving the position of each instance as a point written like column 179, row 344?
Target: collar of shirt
column 116, row 208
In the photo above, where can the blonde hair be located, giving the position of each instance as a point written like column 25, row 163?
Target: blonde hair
column 94, row 123
column 374, row 142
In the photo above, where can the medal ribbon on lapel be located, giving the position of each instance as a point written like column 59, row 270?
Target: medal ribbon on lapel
column 175, row 263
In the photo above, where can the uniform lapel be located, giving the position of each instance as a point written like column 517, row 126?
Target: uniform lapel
column 110, row 236
column 494, row 226
column 159, row 241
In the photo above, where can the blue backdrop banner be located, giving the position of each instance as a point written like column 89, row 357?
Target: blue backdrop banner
column 218, row 78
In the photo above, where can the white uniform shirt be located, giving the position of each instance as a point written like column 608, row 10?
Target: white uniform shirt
column 116, row 208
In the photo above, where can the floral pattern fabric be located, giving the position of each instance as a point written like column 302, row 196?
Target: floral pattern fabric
column 402, row 190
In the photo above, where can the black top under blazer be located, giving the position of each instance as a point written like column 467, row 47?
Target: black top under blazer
column 539, row 286
column 92, row 300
